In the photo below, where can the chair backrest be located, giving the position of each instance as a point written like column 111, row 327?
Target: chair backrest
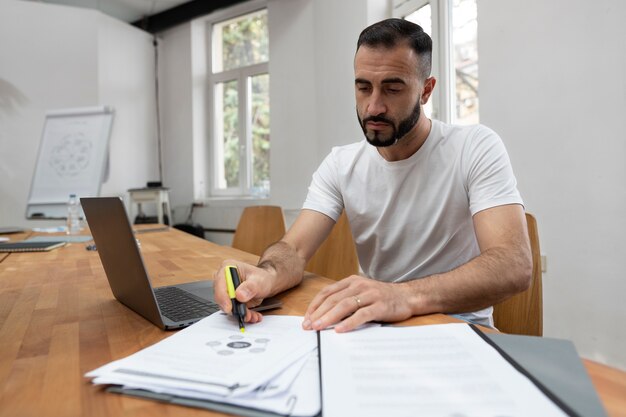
column 336, row 258
column 259, row 227
column 523, row 313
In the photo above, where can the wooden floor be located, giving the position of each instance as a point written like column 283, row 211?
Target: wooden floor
column 59, row 320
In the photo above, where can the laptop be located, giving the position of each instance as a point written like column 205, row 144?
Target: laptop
column 169, row 307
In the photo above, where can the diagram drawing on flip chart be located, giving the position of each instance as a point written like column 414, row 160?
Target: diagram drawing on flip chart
column 72, row 159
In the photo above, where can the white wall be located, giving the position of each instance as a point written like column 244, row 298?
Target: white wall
column 294, row 117
column 337, row 28
column 126, row 82
column 312, row 46
column 55, row 57
column 553, row 84
column 175, row 92
column 312, row 102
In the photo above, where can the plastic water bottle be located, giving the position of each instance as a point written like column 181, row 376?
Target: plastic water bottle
column 73, row 215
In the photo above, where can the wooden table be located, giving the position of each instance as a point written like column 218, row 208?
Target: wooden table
column 14, row 237
column 58, row 320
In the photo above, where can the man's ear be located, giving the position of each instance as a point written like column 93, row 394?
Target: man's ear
column 429, row 86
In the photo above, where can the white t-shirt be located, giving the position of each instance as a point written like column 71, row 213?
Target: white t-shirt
column 413, row 218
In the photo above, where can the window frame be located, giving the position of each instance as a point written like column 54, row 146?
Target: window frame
column 442, row 60
column 243, row 77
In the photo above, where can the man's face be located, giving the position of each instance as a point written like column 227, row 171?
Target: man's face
column 388, row 93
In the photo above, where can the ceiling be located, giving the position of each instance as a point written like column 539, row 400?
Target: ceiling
column 150, row 15
column 126, row 10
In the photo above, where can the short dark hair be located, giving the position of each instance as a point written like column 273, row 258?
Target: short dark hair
column 389, row 33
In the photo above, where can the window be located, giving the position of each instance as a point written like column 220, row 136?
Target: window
column 239, row 94
column 453, row 26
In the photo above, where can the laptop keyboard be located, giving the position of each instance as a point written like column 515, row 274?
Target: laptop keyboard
column 180, row 305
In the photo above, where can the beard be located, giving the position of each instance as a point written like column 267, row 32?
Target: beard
column 378, row 139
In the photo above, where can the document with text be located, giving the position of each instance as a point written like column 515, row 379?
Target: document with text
column 441, row 370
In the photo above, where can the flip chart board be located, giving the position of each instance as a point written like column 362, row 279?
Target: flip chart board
column 72, row 159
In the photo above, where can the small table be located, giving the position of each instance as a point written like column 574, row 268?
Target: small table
column 157, row 195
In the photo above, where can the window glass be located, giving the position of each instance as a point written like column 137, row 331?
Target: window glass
column 227, row 140
column 465, row 55
column 423, row 17
column 455, row 54
column 240, row 157
column 260, row 122
column 241, row 42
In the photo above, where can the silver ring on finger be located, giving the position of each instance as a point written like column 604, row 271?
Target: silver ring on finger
column 358, row 301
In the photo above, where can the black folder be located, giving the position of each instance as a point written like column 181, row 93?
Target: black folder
column 557, row 366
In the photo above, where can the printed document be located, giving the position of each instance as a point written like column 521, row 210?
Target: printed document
column 441, row 370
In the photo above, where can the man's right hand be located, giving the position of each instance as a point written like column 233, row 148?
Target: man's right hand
column 281, row 266
column 255, row 286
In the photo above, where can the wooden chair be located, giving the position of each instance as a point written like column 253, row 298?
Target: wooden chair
column 259, row 227
column 336, row 258
column 523, row 313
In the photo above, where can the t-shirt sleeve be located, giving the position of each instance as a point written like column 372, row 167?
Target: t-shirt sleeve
column 324, row 194
column 489, row 175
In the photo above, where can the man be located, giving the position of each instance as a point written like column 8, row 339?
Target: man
column 434, row 209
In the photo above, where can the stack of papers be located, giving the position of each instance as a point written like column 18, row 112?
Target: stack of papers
column 272, row 367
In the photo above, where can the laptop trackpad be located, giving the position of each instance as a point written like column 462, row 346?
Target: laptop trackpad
column 204, row 290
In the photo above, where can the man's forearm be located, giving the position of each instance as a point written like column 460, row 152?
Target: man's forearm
column 282, row 261
column 488, row 279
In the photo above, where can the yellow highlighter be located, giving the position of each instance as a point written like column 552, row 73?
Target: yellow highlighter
column 232, row 282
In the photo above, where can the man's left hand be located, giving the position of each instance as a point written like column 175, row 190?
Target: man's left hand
column 356, row 300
